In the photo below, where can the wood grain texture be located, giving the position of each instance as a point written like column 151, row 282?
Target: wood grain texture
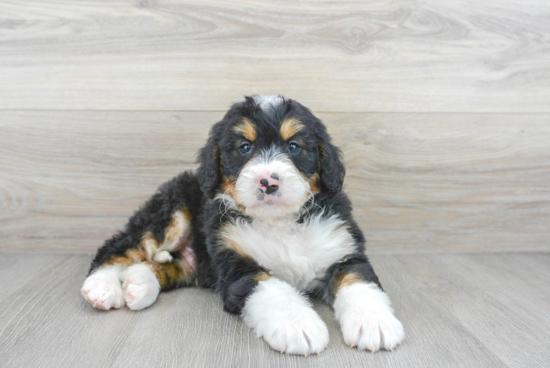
column 469, row 310
column 418, row 182
column 348, row 56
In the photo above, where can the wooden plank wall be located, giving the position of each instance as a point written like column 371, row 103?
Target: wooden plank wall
column 442, row 109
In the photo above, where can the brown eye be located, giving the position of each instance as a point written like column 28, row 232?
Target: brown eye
column 293, row 148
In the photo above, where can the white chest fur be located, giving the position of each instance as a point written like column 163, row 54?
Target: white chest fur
column 295, row 253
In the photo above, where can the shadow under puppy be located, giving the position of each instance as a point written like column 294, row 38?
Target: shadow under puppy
column 265, row 222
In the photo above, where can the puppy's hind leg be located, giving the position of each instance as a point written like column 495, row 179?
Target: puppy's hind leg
column 146, row 257
column 102, row 288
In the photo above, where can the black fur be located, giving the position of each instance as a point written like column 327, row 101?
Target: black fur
column 217, row 266
column 209, row 173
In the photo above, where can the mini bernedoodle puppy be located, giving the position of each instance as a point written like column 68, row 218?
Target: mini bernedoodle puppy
column 265, row 222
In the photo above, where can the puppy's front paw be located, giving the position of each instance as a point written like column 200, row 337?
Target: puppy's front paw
column 285, row 319
column 371, row 330
column 304, row 335
column 102, row 289
column 367, row 319
column 141, row 287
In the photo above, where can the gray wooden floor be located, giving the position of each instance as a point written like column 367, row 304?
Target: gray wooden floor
column 474, row 310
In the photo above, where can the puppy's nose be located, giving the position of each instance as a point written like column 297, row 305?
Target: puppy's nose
column 269, row 184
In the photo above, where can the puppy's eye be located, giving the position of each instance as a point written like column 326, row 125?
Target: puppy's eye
column 294, row 148
column 245, row 148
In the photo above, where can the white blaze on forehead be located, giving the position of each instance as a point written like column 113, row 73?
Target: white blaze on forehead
column 268, row 101
column 271, row 154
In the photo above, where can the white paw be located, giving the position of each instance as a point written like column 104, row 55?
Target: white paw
column 297, row 332
column 103, row 290
column 285, row 319
column 163, row 257
column 372, row 331
column 141, row 287
column 367, row 319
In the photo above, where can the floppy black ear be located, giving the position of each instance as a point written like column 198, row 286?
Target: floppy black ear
column 332, row 170
column 209, row 171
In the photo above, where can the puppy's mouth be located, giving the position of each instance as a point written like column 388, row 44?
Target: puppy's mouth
column 268, row 198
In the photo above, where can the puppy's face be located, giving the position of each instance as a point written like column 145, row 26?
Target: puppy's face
column 270, row 167
column 270, row 155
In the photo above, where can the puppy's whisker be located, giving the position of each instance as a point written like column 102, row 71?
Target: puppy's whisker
column 225, row 203
column 308, row 204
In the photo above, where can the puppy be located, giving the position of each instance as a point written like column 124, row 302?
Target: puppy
column 265, row 222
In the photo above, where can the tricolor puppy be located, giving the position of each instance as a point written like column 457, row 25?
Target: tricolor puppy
column 264, row 221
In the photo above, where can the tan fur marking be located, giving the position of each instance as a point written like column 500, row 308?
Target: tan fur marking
column 136, row 255
column 229, row 238
column 289, row 127
column 262, row 276
column 149, row 244
column 175, row 228
column 247, row 129
column 313, row 182
column 347, row 280
column 228, row 186
column 187, row 214
column 173, row 274
column 236, row 247
column 120, row 260
column 132, row 256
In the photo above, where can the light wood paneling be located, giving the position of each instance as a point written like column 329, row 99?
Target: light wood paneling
column 419, row 182
column 477, row 310
column 352, row 56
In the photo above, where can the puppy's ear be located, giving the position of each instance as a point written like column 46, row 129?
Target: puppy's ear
column 210, row 171
column 332, row 170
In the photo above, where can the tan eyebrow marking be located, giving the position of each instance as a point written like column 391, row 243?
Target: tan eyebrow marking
column 289, row 127
column 247, row 129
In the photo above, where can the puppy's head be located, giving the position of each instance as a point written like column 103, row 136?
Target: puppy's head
column 269, row 154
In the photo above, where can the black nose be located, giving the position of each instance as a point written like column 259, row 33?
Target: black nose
column 269, row 189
